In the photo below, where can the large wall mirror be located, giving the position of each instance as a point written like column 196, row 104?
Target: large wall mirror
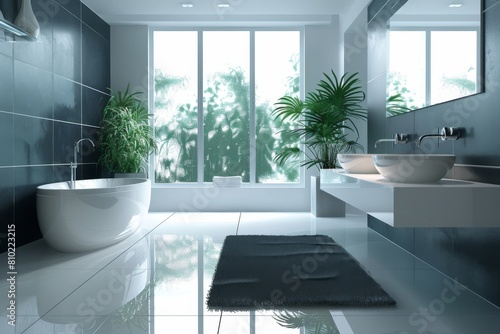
column 434, row 53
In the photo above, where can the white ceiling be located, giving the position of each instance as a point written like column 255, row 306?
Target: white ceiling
column 165, row 11
column 433, row 7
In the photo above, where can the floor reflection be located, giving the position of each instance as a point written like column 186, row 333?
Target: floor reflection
column 158, row 283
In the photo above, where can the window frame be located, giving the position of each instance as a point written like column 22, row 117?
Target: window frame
column 252, row 30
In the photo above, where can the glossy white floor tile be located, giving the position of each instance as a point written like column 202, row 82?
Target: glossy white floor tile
column 157, row 281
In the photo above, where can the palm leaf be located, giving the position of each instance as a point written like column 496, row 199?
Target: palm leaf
column 288, row 107
column 320, row 322
column 396, row 105
column 286, row 154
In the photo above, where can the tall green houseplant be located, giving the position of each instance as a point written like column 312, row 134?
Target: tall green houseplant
column 324, row 122
column 126, row 137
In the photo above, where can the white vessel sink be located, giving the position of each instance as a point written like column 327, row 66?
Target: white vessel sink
column 357, row 163
column 413, row 168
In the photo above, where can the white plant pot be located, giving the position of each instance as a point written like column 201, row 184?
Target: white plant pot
column 327, row 175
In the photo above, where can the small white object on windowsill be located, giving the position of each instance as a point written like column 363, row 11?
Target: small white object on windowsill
column 227, row 181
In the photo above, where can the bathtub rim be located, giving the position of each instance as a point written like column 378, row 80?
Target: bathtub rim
column 108, row 186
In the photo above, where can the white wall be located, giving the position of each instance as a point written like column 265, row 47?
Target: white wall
column 322, row 45
column 129, row 63
column 357, row 7
column 129, row 58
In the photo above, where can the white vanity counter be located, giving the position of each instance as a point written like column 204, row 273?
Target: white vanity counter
column 448, row 203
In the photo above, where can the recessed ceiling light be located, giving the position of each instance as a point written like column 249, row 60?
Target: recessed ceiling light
column 223, row 5
column 455, row 5
column 187, row 5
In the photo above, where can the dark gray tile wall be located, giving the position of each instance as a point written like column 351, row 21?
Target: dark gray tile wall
column 52, row 93
column 467, row 254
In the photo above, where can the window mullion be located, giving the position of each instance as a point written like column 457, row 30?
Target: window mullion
column 252, row 120
column 479, row 63
column 428, row 64
column 201, row 131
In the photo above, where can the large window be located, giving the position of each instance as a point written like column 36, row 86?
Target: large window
column 214, row 92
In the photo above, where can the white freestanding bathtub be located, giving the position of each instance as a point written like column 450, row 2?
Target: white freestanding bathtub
column 97, row 213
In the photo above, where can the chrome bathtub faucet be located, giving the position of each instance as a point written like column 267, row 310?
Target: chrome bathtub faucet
column 74, row 163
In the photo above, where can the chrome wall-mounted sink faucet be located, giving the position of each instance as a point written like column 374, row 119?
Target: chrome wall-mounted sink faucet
column 399, row 138
column 446, row 133
column 74, row 163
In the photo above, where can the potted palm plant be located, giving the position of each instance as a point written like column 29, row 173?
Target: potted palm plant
column 324, row 122
column 126, row 137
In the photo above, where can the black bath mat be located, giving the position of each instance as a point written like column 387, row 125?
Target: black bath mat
column 258, row 272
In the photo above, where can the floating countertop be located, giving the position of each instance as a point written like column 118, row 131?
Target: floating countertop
column 448, row 203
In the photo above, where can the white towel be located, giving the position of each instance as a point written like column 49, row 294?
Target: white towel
column 227, row 181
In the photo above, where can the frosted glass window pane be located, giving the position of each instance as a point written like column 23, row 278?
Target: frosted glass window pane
column 277, row 73
column 453, row 65
column 226, row 94
column 407, row 67
column 175, row 104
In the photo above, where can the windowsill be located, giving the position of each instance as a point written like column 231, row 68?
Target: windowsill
column 210, row 185
column 249, row 197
